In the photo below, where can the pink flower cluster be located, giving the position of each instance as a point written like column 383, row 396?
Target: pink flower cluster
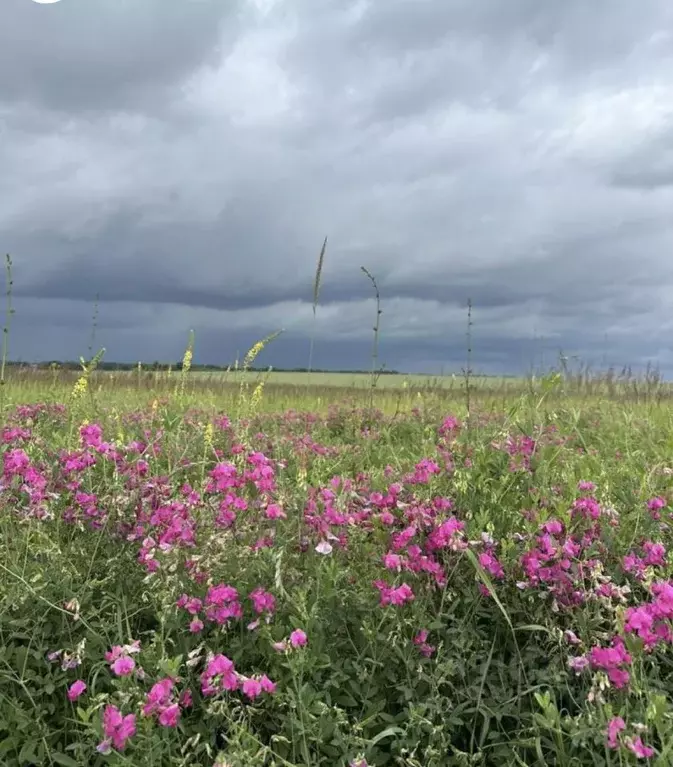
column 117, row 729
column 120, row 660
column 161, row 702
column 615, row 739
column 220, row 675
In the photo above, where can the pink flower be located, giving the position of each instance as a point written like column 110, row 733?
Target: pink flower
column 298, row 638
column 639, row 748
column 116, row 652
column 392, row 561
column 76, row 689
column 186, row 700
column 252, row 688
column 195, row 626
column 219, row 674
column 123, row 666
column 578, row 664
column 263, row 601
column 159, row 696
column 424, row 648
column 274, row 511
column 170, row 715
column 638, row 620
column 192, row 604
column 615, row 726
column 394, row 596
column 267, row 684
column 491, row 564
column 117, row 729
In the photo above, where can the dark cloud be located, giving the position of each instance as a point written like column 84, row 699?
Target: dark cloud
column 184, row 161
column 108, row 55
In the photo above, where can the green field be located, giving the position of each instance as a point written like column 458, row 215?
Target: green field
column 198, row 570
column 362, row 380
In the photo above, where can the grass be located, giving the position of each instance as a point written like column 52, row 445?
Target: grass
column 492, row 592
column 245, row 569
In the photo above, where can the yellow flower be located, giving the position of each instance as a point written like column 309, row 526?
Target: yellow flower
column 80, row 387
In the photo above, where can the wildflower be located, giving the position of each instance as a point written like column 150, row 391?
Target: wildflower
column 571, row 637
column 219, row 675
column 117, row 729
column 252, row 688
column 586, row 507
column 274, row 511
column 76, row 689
column 615, row 726
column 170, row 716
column 424, row 648
column 611, row 660
column 491, row 564
column 324, row 548
column 193, row 605
column 159, row 696
column 392, row 561
column 578, row 664
column 639, row 748
column 394, row 596
column 123, row 666
column 186, row 700
column 298, row 638
column 263, row 601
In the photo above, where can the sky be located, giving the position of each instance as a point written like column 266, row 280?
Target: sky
column 183, row 160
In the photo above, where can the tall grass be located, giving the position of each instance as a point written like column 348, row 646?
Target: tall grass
column 317, row 284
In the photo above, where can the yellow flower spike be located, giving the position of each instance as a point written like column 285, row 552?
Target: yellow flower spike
column 256, row 398
column 186, row 363
column 80, row 387
column 208, row 435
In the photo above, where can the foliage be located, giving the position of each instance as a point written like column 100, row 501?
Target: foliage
column 179, row 587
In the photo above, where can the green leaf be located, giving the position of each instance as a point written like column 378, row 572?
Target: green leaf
column 27, row 753
column 83, row 715
column 63, row 759
column 385, row 734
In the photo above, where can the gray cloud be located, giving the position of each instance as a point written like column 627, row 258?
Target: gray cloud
column 109, row 55
column 184, row 161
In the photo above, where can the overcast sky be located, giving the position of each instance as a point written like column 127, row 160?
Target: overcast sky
column 184, row 159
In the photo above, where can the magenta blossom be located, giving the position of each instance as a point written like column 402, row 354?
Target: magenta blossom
column 170, row 716
column 615, row 726
column 263, row 601
column 298, row 638
column 639, row 748
column 159, row 696
column 220, row 674
column 123, row 666
column 76, row 689
column 117, row 729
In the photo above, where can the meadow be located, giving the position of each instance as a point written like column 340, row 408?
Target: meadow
column 257, row 572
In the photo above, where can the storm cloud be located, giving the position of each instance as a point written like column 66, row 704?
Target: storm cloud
column 184, row 162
